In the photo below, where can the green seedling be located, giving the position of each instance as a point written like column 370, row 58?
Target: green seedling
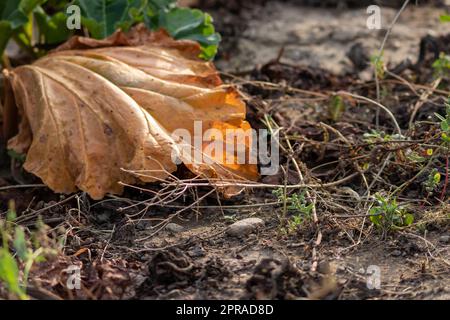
column 297, row 206
column 441, row 66
column 433, row 181
column 387, row 215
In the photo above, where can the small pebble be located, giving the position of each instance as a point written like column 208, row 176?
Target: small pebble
column 245, row 227
column 196, row 252
column 175, row 228
column 444, row 239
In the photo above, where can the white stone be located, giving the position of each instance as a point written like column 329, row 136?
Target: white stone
column 244, row 227
column 175, row 228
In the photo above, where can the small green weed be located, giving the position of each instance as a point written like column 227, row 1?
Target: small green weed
column 18, row 255
column 433, row 181
column 388, row 215
column 298, row 206
column 441, row 66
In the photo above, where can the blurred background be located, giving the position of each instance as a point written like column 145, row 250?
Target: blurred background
column 331, row 34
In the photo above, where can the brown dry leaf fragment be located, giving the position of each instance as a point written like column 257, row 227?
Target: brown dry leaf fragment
column 94, row 107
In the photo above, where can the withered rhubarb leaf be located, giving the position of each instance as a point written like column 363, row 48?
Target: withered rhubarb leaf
column 92, row 108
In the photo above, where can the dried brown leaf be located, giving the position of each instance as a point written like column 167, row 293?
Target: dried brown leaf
column 93, row 107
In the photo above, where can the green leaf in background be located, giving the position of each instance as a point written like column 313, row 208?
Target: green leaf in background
column 5, row 35
column 52, row 30
column 147, row 11
column 134, row 14
column 181, row 21
column 27, row 6
column 191, row 24
column 102, row 17
column 158, row 5
column 14, row 15
column 10, row 12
